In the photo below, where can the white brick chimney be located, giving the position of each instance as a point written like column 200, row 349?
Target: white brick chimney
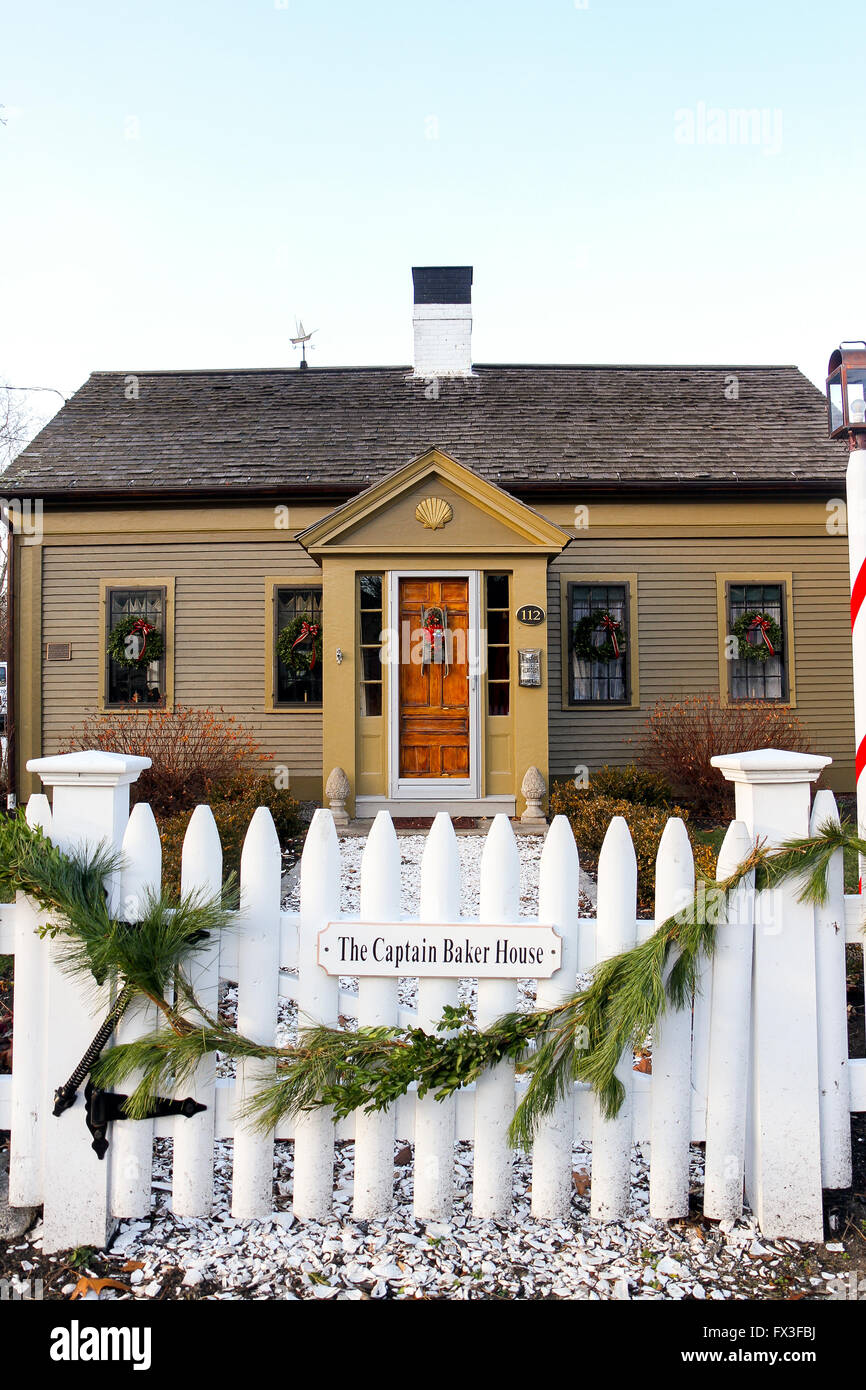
column 442, row 319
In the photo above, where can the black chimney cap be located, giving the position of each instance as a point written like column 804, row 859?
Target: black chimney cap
column 442, row 284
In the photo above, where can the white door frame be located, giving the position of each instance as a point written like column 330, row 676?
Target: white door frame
column 435, row 788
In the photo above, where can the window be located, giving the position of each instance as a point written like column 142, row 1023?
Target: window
column 143, row 684
column 498, row 649
column 299, row 681
column 370, row 606
column 757, row 616
column 598, row 617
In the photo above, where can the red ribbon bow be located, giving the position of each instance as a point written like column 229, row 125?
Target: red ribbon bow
column 763, row 624
column 610, row 625
column 308, row 630
column 145, row 629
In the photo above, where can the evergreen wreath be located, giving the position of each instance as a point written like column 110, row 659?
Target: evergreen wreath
column 613, row 645
column 582, row 1038
column 292, row 649
column 151, row 648
column 769, row 641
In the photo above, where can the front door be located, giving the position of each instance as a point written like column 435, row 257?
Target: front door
column 434, row 686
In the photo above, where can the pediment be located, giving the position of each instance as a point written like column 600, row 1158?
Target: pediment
column 433, row 503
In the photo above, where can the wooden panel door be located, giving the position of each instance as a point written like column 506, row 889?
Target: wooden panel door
column 434, row 694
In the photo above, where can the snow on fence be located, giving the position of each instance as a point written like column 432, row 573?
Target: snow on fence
column 757, row 1069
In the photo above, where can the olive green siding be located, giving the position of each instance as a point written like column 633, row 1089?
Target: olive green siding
column 222, row 618
column 678, row 637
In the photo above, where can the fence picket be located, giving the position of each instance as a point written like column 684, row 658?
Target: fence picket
column 616, row 932
column 377, row 1007
column 701, row 1045
column 494, row 1091
column 435, row 1120
column 258, row 990
column 728, row 1070
column 132, row 1141
column 830, row 977
column 672, row 1044
column 31, row 963
column 201, row 869
column 318, row 1002
column 558, row 893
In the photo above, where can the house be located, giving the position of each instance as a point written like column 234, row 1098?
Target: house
column 434, row 577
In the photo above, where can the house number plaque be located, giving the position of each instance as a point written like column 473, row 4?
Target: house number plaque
column 531, row 614
column 514, row 951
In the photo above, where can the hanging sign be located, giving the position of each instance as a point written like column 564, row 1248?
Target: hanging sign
column 513, row 951
column 530, row 614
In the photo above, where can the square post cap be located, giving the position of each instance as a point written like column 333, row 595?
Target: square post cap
column 88, row 768
column 770, row 765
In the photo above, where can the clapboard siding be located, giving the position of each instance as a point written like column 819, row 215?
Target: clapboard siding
column 219, row 601
column 677, row 638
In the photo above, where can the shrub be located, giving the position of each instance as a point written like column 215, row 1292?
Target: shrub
column 233, row 804
column 681, row 736
column 192, row 751
column 590, row 817
column 631, row 783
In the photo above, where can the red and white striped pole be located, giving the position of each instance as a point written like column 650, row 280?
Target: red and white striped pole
column 855, row 486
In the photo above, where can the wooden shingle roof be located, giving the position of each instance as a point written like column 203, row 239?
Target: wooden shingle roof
column 337, row 430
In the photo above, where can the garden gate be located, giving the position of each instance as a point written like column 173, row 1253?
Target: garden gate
column 758, row 1069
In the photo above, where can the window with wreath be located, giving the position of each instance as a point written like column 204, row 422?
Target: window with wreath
column 135, row 642
column 298, row 638
column 598, row 643
column 756, row 622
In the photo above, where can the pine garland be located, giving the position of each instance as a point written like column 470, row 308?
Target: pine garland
column 582, row 1039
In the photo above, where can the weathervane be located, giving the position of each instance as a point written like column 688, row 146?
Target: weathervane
column 300, row 340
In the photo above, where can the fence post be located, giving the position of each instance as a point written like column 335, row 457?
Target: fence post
column 318, row 1003
column 201, row 872
column 132, row 1141
column 258, row 989
column 670, row 1125
column 31, row 971
column 783, row 1142
column 616, row 915
column 377, row 1007
column 728, row 1077
column 90, row 808
column 558, row 906
column 835, row 1103
column 494, row 1090
column 435, row 1120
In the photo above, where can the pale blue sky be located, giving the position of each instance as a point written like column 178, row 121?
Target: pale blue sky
column 182, row 178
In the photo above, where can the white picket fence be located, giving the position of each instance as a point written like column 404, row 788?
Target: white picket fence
column 758, row 1069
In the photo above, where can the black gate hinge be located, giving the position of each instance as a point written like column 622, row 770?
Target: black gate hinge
column 106, row 1107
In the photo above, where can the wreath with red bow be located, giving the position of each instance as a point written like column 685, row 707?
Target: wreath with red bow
column 758, row 636
column 613, row 646
column 299, row 646
column 150, row 643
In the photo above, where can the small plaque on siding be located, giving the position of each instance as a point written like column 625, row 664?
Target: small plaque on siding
column 531, row 614
column 514, row 951
column 58, row 651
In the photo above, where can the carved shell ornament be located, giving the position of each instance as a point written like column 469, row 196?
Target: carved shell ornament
column 434, row 513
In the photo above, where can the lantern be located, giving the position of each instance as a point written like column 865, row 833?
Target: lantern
column 846, row 390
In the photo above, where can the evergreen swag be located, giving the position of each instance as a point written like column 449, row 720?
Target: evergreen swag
column 151, row 643
column 613, row 645
column 299, row 646
column 769, row 636
column 580, row 1039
